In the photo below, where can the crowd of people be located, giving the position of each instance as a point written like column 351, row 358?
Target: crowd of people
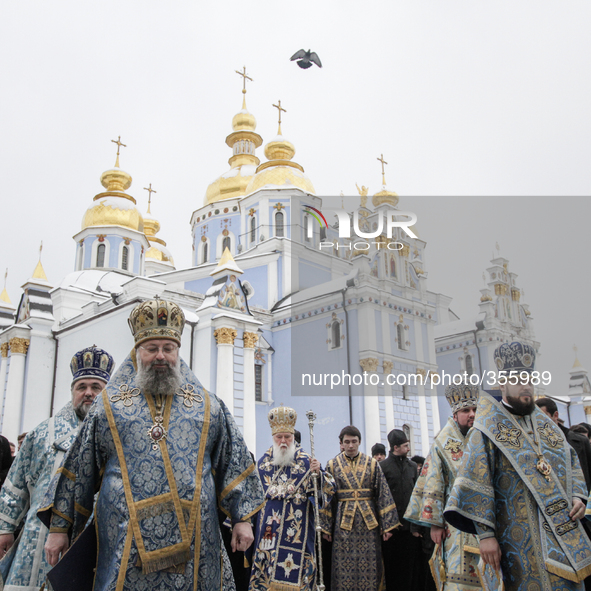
column 143, row 482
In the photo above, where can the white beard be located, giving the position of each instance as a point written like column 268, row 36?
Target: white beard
column 283, row 456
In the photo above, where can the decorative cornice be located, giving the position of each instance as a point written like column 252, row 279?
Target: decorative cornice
column 225, row 336
column 369, row 364
column 4, row 349
column 388, row 367
column 587, row 409
column 422, row 372
column 18, row 345
column 250, row 339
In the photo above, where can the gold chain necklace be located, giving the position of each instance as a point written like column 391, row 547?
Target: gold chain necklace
column 542, row 465
column 157, row 432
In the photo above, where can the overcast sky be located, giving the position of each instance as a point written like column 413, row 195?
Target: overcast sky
column 483, row 106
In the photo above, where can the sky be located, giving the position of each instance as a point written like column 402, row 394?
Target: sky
column 481, row 111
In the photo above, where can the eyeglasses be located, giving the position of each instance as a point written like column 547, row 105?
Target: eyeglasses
column 166, row 349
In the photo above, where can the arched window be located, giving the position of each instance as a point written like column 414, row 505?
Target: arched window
column 100, row 255
column 258, row 383
column 335, row 336
column 253, row 230
column 400, row 336
column 306, row 228
column 204, row 258
column 469, row 365
column 279, row 224
column 226, row 243
column 124, row 257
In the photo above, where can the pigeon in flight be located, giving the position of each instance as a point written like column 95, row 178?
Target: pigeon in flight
column 305, row 59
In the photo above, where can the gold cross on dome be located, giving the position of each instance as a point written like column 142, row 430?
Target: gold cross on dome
column 150, row 191
column 279, row 109
column 381, row 159
column 244, row 78
column 119, row 144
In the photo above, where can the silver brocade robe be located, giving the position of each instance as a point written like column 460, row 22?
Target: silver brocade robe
column 491, row 495
column 284, row 550
column 24, row 567
column 156, row 513
column 428, row 501
column 361, row 511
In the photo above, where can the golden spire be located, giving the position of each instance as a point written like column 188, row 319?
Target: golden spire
column 279, row 109
column 39, row 273
column 227, row 263
column 244, row 79
column 150, row 191
column 119, row 144
column 577, row 362
column 4, row 295
column 381, row 159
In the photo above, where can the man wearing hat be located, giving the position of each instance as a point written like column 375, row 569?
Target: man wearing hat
column 361, row 515
column 284, row 549
column 403, row 550
column 378, row 452
column 520, row 488
column 24, row 566
column 162, row 452
column 434, row 485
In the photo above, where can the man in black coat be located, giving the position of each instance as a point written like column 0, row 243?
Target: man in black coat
column 403, row 549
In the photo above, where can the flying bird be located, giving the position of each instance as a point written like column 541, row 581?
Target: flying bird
column 305, row 59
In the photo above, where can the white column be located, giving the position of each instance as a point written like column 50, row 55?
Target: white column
column 388, row 399
column 4, row 350
column 14, row 390
column 371, row 405
column 250, row 430
column 225, row 365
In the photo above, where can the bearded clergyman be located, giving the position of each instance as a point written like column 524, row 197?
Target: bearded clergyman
column 434, row 485
column 162, row 452
column 520, row 488
column 284, row 548
column 24, row 566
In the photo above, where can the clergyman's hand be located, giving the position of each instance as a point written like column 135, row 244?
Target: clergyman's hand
column 387, row 536
column 315, row 466
column 438, row 534
column 327, row 537
column 242, row 536
column 55, row 546
column 490, row 552
column 6, row 541
column 578, row 510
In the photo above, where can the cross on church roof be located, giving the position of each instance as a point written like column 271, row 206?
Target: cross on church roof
column 244, row 78
column 381, row 159
column 119, row 144
column 150, row 191
column 279, row 109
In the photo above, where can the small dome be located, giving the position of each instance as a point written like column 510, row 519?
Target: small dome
column 280, row 149
column 114, row 207
column 244, row 120
column 486, row 298
column 385, row 196
column 159, row 252
column 151, row 226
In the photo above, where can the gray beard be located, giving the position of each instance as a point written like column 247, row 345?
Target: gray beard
column 164, row 383
column 283, row 457
column 81, row 410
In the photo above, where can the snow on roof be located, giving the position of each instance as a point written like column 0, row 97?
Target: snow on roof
column 190, row 316
column 337, row 284
column 114, row 202
column 451, row 328
column 89, row 280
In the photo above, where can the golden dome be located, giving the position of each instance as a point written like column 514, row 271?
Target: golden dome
column 280, row 170
column 151, row 227
column 114, row 207
column 244, row 141
column 486, row 298
column 159, row 252
column 385, row 196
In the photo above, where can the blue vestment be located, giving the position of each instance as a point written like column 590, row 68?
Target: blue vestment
column 42, row 451
column 517, row 481
column 283, row 556
column 156, row 512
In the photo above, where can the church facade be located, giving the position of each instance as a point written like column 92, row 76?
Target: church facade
column 279, row 307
